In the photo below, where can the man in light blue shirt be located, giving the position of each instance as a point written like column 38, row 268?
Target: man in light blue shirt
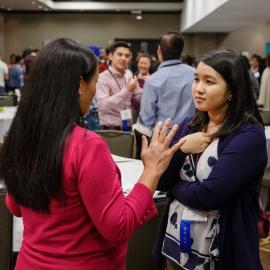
column 167, row 92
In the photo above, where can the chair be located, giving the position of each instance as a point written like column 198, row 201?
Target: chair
column 265, row 114
column 6, row 101
column 141, row 244
column 121, row 143
column 5, row 234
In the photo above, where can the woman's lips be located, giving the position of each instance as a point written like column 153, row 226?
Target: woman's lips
column 199, row 99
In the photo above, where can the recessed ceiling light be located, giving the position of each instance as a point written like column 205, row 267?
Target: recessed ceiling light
column 139, row 17
column 33, row 2
column 9, row 9
column 40, row 7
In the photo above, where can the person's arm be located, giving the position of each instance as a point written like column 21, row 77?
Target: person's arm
column 242, row 161
column 12, row 206
column 115, row 216
column 148, row 111
column 106, row 101
column 137, row 95
column 6, row 73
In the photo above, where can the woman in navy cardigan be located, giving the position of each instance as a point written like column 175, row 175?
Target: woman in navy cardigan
column 213, row 180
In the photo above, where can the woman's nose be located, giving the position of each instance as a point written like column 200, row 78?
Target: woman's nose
column 199, row 87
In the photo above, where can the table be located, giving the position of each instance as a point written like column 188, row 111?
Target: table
column 6, row 117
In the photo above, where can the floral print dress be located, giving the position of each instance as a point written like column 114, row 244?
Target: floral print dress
column 204, row 226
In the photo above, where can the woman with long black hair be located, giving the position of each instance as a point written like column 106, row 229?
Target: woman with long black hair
column 61, row 177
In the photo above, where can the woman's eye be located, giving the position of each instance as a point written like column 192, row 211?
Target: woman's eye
column 196, row 80
column 209, row 82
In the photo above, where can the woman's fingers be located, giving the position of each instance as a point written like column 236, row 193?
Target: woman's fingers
column 144, row 143
column 164, row 130
column 177, row 146
column 156, row 132
column 170, row 136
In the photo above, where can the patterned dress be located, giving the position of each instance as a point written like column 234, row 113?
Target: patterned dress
column 204, row 226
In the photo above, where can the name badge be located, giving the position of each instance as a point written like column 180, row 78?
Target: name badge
column 195, row 216
column 185, row 239
column 126, row 114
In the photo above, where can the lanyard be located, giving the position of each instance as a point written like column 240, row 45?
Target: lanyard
column 193, row 166
column 115, row 79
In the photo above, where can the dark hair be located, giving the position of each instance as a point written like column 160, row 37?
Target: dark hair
column 118, row 44
column 18, row 58
column 171, row 45
column 144, row 55
column 242, row 108
column 257, row 57
column 31, row 158
column 26, row 52
column 245, row 59
column 187, row 59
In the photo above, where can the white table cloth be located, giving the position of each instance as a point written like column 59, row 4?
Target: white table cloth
column 6, row 117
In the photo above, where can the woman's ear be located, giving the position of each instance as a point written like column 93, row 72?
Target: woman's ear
column 81, row 85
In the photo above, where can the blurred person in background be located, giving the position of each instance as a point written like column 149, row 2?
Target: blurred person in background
column 3, row 76
column 256, row 66
column 117, row 90
column 264, row 97
column 167, row 92
column 16, row 74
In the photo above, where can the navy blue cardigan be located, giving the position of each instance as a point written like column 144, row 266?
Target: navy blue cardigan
column 232, row 187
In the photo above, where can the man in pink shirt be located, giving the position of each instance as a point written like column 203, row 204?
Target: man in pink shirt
column 116, row 90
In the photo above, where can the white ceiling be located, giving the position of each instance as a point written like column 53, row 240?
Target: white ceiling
column 48, row 5
column 233, row 15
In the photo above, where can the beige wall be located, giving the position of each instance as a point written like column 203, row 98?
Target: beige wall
column 250, row 39
column 198, row 44
column 24, row 30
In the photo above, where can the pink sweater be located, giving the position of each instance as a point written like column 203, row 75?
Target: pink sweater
column 92, row 230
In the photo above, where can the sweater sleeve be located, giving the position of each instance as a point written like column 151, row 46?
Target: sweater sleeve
column 12, row 206
column 114, row 215
column 240, row 165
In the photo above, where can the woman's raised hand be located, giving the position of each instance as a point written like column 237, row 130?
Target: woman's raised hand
column 157, row 156
column 195, row 143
